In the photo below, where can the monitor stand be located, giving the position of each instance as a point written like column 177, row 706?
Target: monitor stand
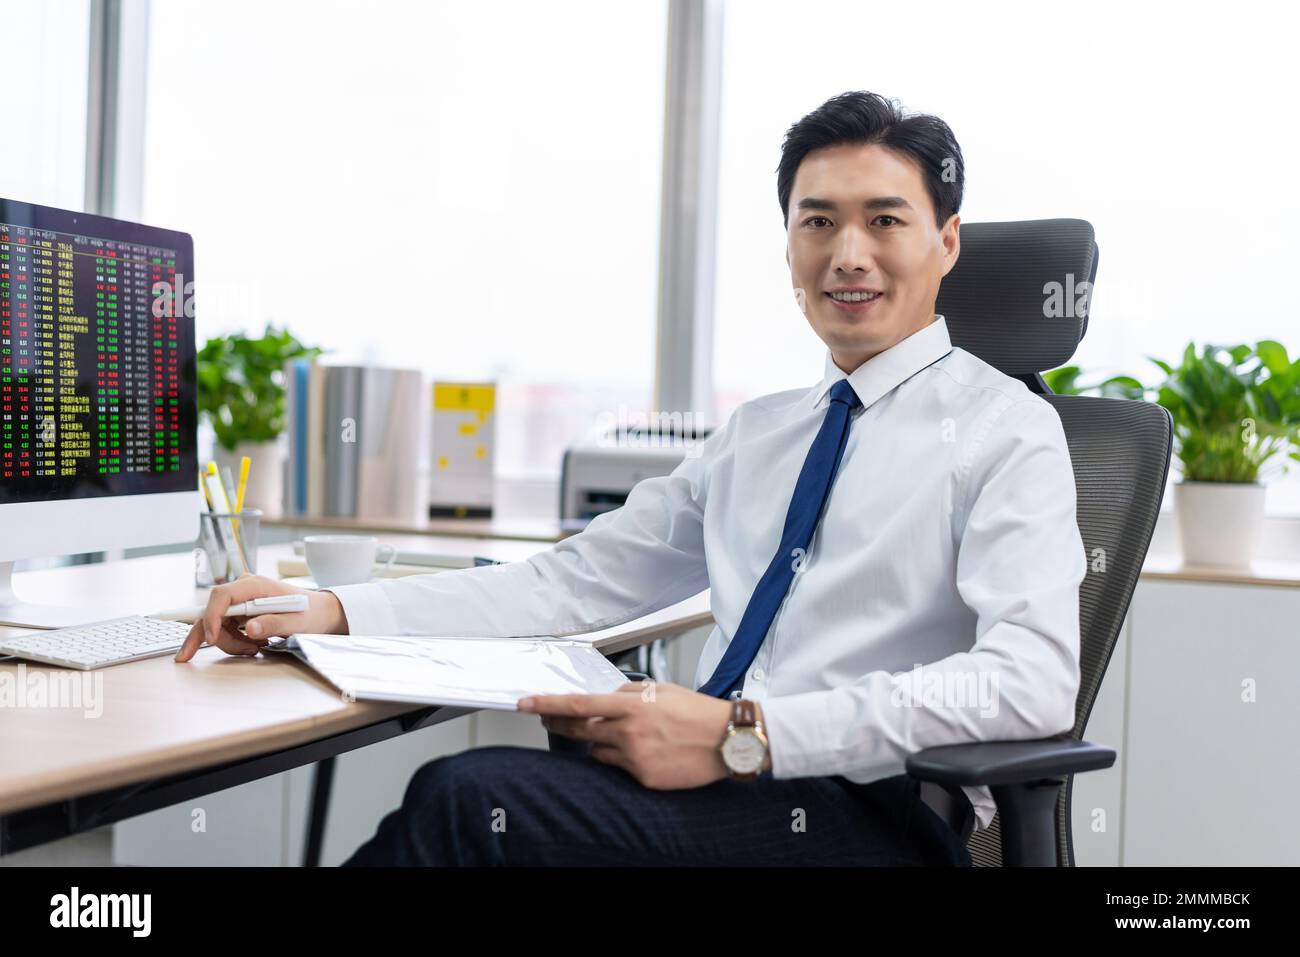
column 14, row 611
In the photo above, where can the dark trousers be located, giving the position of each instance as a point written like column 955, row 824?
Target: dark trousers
column 523, row 806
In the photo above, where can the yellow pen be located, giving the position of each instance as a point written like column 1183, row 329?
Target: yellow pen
column 213, row 473
column 207, row 495
column 224, row 502
column 244, row 464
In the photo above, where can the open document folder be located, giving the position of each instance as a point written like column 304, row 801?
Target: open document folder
column 471, row 672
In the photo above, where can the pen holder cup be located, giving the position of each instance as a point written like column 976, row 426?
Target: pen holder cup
column 227, row 546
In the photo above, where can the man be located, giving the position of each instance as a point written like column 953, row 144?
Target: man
column 893, row 557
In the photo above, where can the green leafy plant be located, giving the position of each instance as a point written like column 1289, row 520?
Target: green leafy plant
column 1233, row 407
column 1065, row 381
column 241, row 384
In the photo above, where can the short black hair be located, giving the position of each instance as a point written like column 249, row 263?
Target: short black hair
column 863, row 118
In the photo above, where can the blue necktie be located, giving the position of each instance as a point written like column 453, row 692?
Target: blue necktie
column 806, row 507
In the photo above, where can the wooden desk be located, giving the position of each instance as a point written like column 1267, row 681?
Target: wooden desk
column 170, row 731
column 1160, row 564
column 498, row 527
column 1273, row 572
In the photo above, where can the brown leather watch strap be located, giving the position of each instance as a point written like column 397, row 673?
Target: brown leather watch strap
column 744, row 714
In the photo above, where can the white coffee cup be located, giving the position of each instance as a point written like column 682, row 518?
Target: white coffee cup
column 343, row 559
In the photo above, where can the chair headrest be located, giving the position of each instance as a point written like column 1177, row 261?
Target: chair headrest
column 999, row 301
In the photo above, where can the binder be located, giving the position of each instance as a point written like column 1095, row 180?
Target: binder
column 492, row 673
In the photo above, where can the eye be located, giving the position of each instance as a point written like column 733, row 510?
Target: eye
column 894, row 218
column 809, row 222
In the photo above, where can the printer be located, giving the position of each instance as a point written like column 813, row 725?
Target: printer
column 597, row 474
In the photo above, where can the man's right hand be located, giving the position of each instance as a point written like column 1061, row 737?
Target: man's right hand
column 324, row 616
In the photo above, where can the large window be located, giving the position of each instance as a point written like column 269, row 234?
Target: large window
column 1168, row 126
column 44, row 51
column 471, row 189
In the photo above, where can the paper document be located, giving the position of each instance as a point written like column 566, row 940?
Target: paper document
column 471, row 672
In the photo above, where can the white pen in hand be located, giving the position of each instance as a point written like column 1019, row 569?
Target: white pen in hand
column 273, row 605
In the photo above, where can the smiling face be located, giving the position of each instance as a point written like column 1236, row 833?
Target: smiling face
column 861, row 218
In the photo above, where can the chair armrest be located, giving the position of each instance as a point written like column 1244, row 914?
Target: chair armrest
column 1025, row 777
column 992, row 763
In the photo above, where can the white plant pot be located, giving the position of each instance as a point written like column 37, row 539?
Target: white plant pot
column 1219, row 522
column 265, row 473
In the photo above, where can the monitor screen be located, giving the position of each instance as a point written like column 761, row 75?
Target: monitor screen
column 97, row 371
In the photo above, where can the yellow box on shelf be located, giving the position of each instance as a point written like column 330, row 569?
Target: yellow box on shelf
column 464, row 425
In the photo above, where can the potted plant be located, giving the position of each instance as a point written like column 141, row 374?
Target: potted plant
column 1234, row 408
column 242, row 394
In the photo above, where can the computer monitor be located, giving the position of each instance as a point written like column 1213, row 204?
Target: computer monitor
column 98, row 411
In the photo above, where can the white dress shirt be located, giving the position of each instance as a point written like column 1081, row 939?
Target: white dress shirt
column 937, row 603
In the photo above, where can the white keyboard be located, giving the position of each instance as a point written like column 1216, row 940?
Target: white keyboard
column 101, row 644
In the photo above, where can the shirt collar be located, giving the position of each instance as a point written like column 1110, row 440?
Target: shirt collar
column 885, row 371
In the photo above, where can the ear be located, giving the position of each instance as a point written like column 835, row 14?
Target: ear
column 951, row 239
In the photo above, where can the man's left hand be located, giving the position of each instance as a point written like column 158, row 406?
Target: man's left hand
column 664, row 735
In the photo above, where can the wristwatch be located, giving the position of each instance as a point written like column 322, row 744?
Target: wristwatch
column 744, row 746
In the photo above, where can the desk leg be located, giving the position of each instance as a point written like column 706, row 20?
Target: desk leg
column 320, row 805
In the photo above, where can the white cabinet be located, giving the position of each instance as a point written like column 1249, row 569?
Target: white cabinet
column 1212, row 765
column 1202, row 703
column 265, row 822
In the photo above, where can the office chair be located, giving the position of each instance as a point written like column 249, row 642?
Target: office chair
column 993, row 302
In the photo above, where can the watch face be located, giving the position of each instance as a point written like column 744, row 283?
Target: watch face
column 743, row 752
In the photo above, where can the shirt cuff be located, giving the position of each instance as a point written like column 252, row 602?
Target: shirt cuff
column 800, row 736
column 368, row 610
